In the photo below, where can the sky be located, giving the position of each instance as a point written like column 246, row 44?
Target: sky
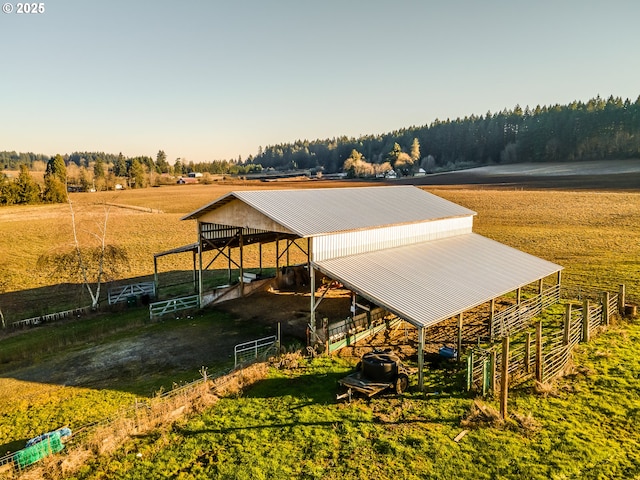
column 209, row 80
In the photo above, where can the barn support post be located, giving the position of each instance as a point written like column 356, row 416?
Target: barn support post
column 195, row 273
column 518, row 295
column 200, row 263
column 260, row 255
column 421, row 358
column 277, row 255
column 312, row 316
column 504, row 380
column 567, row 324
column 240, row 244
column 459, row 343
column 155, row 272
column 229, row 265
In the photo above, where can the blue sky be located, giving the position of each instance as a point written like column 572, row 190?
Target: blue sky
column 205, row 80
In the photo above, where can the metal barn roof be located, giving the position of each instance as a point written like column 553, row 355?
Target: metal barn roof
column 318, row 211
column 429, row 282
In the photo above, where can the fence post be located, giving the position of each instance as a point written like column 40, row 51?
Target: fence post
column 539, row 351
column 494, row 365
column 527, row 354
column 504, row 381
column 621, row 299
column 585, row 321
column 605, row 308
column 567, row 324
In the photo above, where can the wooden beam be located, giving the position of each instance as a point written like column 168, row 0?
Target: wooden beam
column 539, row 351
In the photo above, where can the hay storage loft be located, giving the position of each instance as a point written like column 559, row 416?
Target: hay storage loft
column 400, row 250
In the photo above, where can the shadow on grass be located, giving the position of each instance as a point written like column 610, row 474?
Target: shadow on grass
column 12, row 446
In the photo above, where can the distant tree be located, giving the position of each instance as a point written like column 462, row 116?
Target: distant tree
column 177, row 167
column 120, row 166
column 26, row 190
column 356, row 166
column 57, row 168
column 393, row 155
column 428, row 164
column 415, row 150
column 137, row 178
column 98, row 169
column 161, row 162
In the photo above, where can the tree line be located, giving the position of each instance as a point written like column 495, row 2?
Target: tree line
column 595, row 130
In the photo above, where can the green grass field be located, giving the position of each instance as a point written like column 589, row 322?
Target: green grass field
column 289, row 426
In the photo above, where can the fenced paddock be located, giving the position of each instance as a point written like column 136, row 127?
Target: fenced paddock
column 543, row 354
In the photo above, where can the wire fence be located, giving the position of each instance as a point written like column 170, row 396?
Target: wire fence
column 143, row 415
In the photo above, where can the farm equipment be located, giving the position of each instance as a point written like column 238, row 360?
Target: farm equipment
column 376, row 372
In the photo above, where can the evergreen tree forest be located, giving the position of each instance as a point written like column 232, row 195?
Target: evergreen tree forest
column 596, row 130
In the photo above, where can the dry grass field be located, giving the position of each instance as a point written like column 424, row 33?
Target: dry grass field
column 593, row 234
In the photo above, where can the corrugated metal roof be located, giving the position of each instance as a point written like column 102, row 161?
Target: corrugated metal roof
column 324, row 210
column 429, row 282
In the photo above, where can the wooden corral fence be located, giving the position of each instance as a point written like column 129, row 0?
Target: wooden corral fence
column 50, row 317
column 544, row 355
column 174, row 305
column 124, row 292
column 350, row 330
column 518, row 317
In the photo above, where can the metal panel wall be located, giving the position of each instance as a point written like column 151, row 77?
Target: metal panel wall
column 336, row 245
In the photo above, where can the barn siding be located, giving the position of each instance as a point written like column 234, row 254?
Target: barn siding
column 335, row 245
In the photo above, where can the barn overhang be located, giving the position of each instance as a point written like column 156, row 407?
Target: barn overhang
column 429, row 282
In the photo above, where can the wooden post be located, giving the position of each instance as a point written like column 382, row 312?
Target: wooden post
column 260, row 254
column 421, row 358
column 240, row 242
column 504, row 381
column 605, row 308
column 585, row 321
column 539, row 351
column 494, row 365
column 567, row 324
column 518, row 295
column 540, row 286
column 527, row 354
column 622, row 300
column 312, row 319
column 492, row 313
column 199, row 264
column 459, row 346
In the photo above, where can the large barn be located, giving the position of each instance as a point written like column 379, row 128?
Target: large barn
column 400, row 248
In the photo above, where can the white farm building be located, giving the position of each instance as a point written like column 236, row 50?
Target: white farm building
column 399, row 249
